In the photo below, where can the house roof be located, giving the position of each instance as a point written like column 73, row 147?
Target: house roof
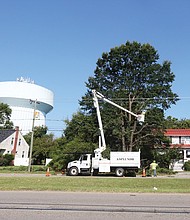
column 4, row 134
column 177, row 132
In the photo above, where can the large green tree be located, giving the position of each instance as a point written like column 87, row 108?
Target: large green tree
column 81, row 127
column 131, row 76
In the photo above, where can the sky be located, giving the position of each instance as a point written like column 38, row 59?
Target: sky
column 57, row 43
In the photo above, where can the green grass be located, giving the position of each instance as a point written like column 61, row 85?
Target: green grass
column 95, row 184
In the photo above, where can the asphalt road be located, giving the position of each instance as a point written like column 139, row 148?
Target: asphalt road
column 100, row 206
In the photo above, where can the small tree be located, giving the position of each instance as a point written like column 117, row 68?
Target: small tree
column 6, row 160
column 43, row 145
column 5, row 114
column 70, row 151
column 187, row 166
column 167, row 156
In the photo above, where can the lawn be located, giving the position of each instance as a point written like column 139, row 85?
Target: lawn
column 95, row 184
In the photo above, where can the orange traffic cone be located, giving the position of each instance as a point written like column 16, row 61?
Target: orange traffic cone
column 144, row 172
column 47, row 172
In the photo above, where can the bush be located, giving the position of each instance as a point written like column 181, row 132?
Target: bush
column 187, row 166
column 39, row 168
column 165, row 171
column 6, row 160
column 23, row 169
column 160, row 171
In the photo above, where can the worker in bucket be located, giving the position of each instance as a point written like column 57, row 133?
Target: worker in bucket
column 153, row 166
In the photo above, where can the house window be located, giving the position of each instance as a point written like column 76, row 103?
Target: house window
column 12, row 140
column 185, row 140
column 22, row 154
column 188, row 153
column 176, row 140
column 180, row 140
column 2, row 151
column 19, row 142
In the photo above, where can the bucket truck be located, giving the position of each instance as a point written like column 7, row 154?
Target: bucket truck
column 119, row 162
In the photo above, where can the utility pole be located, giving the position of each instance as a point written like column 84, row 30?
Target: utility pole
column 32, row 135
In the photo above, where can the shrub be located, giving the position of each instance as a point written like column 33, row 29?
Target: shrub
column 21, row 169
column 187, row 166
column 5, row 160
column 160, row 171
column 165, row 171
column 39, row 168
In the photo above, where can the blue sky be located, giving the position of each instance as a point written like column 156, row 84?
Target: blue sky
column 56, row 43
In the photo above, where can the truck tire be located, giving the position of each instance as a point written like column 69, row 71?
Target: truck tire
column 119, row 172
column 73, row 171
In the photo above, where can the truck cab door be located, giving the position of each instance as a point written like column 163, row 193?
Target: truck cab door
column 85, row 162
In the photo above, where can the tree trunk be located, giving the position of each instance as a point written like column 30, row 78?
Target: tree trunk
column 132, row 136
column 123, row 132
column 130, row 106
column 129, row 148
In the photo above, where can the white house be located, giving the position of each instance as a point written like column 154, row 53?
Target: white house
column 180, row 138
column 12, row 142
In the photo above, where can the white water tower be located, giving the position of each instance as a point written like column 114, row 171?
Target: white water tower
column 23, row 96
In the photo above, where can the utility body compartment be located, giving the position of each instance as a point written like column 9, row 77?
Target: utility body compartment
column 125, row 159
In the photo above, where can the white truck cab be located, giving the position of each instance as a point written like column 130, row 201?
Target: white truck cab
column 83, row 165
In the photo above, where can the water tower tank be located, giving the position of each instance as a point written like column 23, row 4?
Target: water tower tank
column 23, row 96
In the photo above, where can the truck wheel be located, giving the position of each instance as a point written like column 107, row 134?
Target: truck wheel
column 119, row 172
column 73, row 171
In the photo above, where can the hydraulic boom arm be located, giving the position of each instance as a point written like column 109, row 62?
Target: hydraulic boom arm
column 97, row 95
